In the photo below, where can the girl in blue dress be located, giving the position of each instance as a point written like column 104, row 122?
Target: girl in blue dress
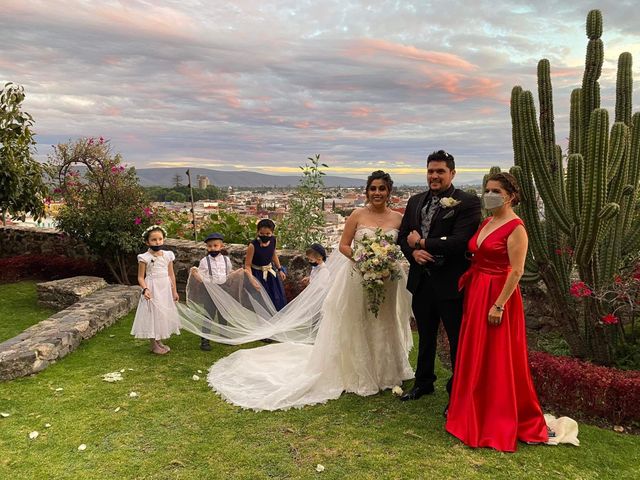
column 263, row 263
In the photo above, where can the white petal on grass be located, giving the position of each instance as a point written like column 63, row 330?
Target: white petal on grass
column 397, row 391
column 199, row 371
column 117, row 410
column 4, row 414
column 82, row 447
column 320, row 468
column 134, row 394
column 130, row 369
column 111, row 336
column 122, row 371
column 112, row 377
column 196, row 378
column 47, row 425
column 59, row 389
column 33, row 435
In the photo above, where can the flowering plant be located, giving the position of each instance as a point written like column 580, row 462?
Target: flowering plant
column 449, row 202
column 377, row 260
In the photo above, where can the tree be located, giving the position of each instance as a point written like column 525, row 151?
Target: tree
column 177, row 180
column 104, row 206
column 22, row 189
column 174, row 196
column 304, row 222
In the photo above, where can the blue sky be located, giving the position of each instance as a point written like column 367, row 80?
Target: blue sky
column 262, row 85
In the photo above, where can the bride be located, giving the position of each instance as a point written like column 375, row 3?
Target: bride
column 354, row 350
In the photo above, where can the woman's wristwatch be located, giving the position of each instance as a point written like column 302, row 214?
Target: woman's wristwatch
column 417, row 245
column 499, row 308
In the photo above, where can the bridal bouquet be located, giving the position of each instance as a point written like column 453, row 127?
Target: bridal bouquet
column 377, row 260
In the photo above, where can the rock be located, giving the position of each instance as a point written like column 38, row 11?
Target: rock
column 59, row 294
column 42, row 344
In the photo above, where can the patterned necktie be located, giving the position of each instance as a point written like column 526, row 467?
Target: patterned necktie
column 428, row 212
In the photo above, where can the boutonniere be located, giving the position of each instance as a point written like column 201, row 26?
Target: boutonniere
column 448, row 202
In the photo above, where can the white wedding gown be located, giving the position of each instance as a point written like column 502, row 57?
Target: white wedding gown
column 353, row 351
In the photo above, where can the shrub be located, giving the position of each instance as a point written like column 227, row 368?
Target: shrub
column 45, row 267
column 576, row 387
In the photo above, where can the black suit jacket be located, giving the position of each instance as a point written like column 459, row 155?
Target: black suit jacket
column 451, row 229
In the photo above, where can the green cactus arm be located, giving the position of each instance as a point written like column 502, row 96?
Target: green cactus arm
column 575, row 185
column 595, row 190
column 529, row 211
column 624, row 88
column 518, row 147
column 535, row 161
column 594, row 24
column 575, row 121
column 617, row 147
column 593, row 69
column 547, row 127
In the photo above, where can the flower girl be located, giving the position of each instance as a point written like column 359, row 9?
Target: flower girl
column 156, row 316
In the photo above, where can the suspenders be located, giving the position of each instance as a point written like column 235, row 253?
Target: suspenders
column 226, row 266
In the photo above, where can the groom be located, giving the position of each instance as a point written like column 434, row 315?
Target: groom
column 434, row 233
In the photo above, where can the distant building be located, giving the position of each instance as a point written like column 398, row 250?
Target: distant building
column 203, row 182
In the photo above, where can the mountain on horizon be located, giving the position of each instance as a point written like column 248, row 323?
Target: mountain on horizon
column 164, row 177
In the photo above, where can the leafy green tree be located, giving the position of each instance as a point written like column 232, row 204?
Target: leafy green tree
column 235, row 228
column 304, row 223
column 22, row 189
column 104, row 205
column 175, row 196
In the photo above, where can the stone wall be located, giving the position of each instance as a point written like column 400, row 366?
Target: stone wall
column 19, row 240
column 44, row 343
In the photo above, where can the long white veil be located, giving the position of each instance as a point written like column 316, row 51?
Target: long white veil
column 240, row 311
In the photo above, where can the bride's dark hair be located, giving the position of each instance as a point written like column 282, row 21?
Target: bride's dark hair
column 379, row 175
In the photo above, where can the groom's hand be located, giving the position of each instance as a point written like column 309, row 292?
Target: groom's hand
column 422, row 257
column 413, row 238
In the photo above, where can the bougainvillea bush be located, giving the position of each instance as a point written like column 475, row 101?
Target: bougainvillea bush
column 104, row 205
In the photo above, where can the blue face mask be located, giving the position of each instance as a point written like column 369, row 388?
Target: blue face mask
column 155, row 248
column 214, row 254
column 264, row 238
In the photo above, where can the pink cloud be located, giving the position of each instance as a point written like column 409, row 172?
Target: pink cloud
column 361, row 112
column 370, row 47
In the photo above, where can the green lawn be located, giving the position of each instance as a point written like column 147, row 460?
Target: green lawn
column 177, row 428
column 19, row 308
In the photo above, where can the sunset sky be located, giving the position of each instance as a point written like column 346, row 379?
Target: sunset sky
column 262, row 85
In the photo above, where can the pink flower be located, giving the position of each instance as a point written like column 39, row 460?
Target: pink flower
column 114, row 170
column 559, row 251
column 579, row 289
column 138, row 221
column 618, row 280
column 610, row 319
column 57, row 190
column 90, row 142
column 101, row 140
column 147, row 211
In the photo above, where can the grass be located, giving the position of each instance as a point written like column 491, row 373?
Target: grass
column 19, row 309
column 178, row 429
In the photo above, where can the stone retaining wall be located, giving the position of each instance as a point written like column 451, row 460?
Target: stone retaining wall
column 42, row 344
column 19, row 240
column 59, row 294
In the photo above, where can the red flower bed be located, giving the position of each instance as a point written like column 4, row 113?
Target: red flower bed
column 578, row 387
column 45, row 267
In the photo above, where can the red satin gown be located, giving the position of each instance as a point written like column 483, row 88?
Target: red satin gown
column 493, row 400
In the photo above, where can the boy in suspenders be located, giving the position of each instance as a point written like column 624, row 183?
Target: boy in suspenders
column 214, row 267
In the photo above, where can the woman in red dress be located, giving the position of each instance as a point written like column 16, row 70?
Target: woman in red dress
column 493, row 401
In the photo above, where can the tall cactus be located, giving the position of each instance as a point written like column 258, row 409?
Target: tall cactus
column 591, row 210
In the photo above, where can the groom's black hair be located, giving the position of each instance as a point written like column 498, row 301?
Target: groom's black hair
column 442, row 156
